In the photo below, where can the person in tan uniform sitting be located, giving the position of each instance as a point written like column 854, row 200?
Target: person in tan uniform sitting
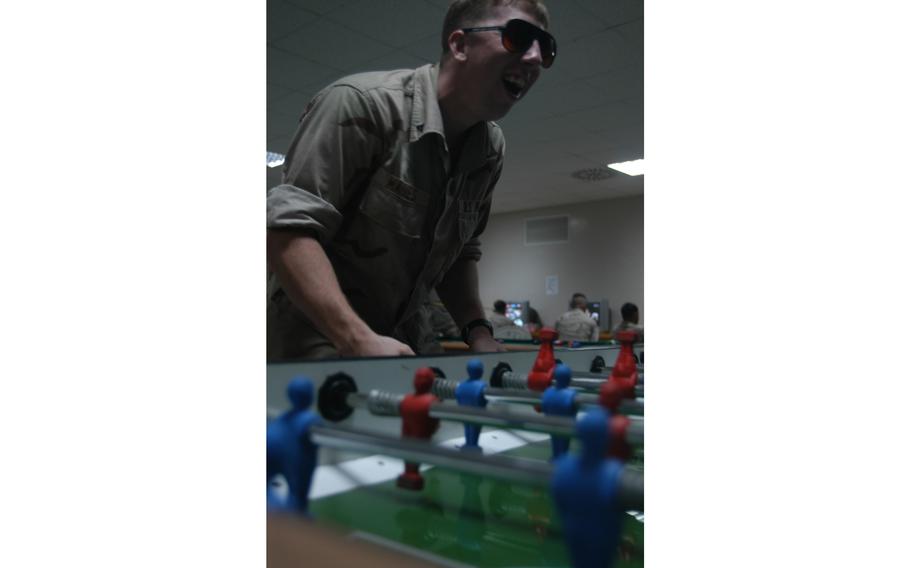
column 577, row 324
column 387, row 187
column 503, row 327
column 499, row 317
column 629, row 313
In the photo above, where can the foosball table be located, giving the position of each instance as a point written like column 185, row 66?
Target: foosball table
column 520, row 458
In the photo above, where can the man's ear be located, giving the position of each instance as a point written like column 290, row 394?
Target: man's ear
column 457, row 45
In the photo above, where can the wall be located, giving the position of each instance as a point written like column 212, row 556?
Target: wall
column 604, row 258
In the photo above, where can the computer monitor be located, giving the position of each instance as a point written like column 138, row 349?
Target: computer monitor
column 516, row 311
column 594, row 308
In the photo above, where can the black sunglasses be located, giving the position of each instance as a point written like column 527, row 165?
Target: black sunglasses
column 518, row 35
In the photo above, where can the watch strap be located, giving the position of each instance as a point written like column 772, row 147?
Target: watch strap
column 466, row 330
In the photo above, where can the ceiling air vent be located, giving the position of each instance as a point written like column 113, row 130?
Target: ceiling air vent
column 592, row 174
column 547, row 230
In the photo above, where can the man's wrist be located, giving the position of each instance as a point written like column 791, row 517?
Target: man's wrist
column 469, row 332
column 350, row 334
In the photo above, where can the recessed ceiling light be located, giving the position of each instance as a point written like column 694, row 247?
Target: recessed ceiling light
column 632, row 168
column 274, row 159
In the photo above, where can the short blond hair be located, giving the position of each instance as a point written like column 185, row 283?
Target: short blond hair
column 464, row 13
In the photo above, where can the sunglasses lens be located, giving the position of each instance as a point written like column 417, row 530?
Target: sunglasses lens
column 519, row 35
column 510, row 43
column 547, row 61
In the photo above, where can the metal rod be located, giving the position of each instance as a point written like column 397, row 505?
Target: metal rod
column 627, row 406
column 586, row 381
column 635, row 435
column 503, row 417
column 575, row 374
column 631, row 486
column 632, row 406
column 502, row 467
column 513, row 395
column 631, row 491
column 386, row 404
column 594, row 384
column 606, row 373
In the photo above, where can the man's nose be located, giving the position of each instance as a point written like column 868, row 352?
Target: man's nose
column 533, row 54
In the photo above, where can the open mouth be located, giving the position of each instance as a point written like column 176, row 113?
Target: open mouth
column 515, row 85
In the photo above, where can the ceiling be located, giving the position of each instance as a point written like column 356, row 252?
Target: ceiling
column 583, row 112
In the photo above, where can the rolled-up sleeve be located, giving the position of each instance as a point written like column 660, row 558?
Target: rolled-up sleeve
column 336, row 146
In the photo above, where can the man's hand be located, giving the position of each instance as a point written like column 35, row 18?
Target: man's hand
column 371, row 344
column 308, row 278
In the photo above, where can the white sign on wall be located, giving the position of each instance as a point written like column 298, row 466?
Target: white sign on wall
column 551, row 285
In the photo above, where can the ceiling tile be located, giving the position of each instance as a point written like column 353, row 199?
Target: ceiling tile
column 292, row 104
column 331, row 45
column 397, row 60
column 620, row 84
column 277, row 124
column 283, row 18
column 323, row 7
column 297, row 73
column 274, row 92
column 612, row 12
column 383, row 21
column 568, row 22
column 427, row 47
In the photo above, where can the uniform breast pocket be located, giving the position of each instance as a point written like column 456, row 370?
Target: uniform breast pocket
column 469, row 212
column 395, row 205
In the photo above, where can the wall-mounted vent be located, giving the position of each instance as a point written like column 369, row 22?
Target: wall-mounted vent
column 547, row 230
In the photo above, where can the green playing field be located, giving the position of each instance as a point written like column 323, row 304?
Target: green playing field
column 470, row 520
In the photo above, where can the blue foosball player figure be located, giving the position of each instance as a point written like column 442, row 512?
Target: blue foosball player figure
column 584, row 488
column 470, row 393
column 289, row 450
column 559, row 400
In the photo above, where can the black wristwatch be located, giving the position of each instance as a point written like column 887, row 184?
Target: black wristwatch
column 466, row 330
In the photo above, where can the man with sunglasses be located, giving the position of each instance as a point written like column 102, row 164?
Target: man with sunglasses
column 387, row 186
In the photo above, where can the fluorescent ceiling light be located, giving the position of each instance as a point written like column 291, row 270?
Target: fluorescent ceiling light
column 274, row 159
column 633, row 168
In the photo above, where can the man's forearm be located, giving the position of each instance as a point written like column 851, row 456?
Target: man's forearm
column 459, row 292
column 307, row 277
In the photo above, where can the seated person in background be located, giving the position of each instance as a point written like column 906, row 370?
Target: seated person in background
column 499, row 317
column 577, row 324
column 503, row 327
column 629, row 313
column 532, row 320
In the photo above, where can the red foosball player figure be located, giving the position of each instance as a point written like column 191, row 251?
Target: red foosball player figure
column 416, row 423
column 611, row 395
column 541, row 375
column 625, row 370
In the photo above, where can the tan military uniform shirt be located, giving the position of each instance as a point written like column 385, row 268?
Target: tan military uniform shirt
column 369, row 175
column 575, row 325
column 500, row 320
column 627, row 325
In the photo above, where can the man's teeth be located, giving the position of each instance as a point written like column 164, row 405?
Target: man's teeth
column 515, row 85
column 516, row 80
